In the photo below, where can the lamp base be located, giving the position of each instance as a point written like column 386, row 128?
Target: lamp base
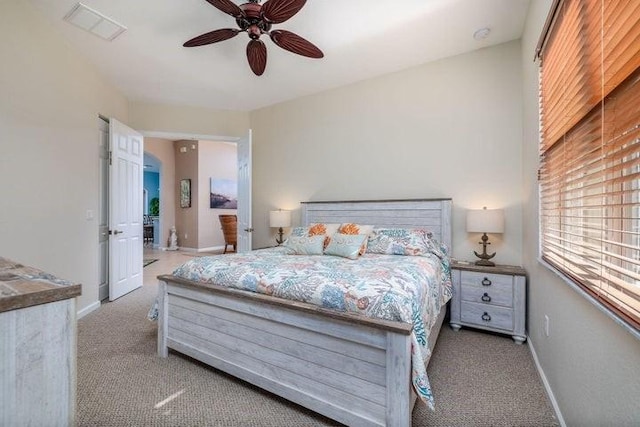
column 485, row 263
column 484, row 256
column 279, row 239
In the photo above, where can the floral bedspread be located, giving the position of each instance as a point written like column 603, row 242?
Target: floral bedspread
column 409, row 289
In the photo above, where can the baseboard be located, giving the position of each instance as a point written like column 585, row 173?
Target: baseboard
column 88, row 309
column 196, row 250
column 183, row 249
column 547, row 386
column 211, row 249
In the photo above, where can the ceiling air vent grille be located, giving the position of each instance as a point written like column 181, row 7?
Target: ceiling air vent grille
column 94, row 22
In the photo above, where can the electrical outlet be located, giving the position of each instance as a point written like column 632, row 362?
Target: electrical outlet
column 185, row 236
column 546, row 325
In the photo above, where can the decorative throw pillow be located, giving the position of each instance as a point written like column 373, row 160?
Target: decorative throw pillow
column 300, row 231
column 322, row 229
column 400, row 241
column 351, row 228
column 305, row 245
column 346, row 245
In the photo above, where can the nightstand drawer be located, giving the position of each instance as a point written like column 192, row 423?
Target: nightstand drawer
column 485, row 280
column 494, row 295
column 487, row 315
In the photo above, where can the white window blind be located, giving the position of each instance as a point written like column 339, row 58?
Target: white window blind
column 590, row 149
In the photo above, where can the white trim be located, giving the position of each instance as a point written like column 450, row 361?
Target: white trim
column 573, row 285
column 88, row 309
column 547, row 386
column 211, row 249
column 189, row 136
column 194, row 250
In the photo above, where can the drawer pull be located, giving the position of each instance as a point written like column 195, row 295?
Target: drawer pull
column 485, row 297
column 486, row 317
column 486, row 282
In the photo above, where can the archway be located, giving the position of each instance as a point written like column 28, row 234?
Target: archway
column 152, row 187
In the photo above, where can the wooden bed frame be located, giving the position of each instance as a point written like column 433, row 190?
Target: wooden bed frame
column 347, row 367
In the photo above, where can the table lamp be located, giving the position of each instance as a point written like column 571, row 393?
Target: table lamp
column 280, row 219
column 485, row 221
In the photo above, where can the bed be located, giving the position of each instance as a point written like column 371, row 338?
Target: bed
column 354, row 369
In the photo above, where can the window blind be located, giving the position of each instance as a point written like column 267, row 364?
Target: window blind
column 590, row 150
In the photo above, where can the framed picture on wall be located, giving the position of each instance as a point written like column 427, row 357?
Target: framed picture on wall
column 185, row 193
column 223, row 193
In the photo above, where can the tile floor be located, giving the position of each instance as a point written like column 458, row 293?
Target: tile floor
column 167, row 262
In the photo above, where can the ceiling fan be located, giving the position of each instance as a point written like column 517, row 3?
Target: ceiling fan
column 256, row 19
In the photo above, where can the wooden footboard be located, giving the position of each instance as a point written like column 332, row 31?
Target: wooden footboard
column 355, row 372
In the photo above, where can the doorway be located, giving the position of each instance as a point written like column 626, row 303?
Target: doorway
column 243, row 166
column 120, row 209
column 244, row 194
column 103, row 211
column 152, row 182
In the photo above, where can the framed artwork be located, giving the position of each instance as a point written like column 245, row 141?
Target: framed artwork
column 185, row 193
column 223, row 193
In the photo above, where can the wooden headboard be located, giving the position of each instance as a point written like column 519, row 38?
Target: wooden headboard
column 431, row 214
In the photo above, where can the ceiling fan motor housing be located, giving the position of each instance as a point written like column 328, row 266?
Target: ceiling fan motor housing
column 253, row 23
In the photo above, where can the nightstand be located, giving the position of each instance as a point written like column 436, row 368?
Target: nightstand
column 489, row 298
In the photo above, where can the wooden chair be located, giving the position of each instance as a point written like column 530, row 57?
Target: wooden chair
column 230, row 230
column 147, row 227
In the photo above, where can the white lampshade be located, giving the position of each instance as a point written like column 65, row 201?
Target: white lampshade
column 280, row 218
column 485, row 221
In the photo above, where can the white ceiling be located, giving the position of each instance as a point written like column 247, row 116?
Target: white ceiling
column 360, row 39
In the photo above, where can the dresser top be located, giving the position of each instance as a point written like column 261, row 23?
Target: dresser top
column 498, row 269
column 22, row 286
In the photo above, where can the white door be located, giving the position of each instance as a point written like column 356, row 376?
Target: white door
column 244, row 194
column 125, row 209
column 103, row 214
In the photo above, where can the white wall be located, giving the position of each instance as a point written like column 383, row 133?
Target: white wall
column 188, row 121
column 217, row 160
column 591, row 363
column 450, row 128
column 49, row 105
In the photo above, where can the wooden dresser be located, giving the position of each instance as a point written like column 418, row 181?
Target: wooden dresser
column 489, row 298
column 37, row 347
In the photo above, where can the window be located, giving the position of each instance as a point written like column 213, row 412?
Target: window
column 590, row 149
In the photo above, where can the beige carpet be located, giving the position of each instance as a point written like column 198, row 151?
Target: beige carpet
column 478, row 380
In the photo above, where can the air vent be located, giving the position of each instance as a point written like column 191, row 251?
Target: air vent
column 94, row 22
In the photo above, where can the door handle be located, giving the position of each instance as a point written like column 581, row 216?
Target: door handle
column 115, row 232
column 249, row 230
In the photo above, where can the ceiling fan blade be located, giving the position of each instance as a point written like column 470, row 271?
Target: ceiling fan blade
column 277, row 11
column 257, row 56
column 227, row 7
column 212, row 37
column 294, row 43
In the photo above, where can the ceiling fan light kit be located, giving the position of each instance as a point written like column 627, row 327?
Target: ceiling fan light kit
column 255, row 20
